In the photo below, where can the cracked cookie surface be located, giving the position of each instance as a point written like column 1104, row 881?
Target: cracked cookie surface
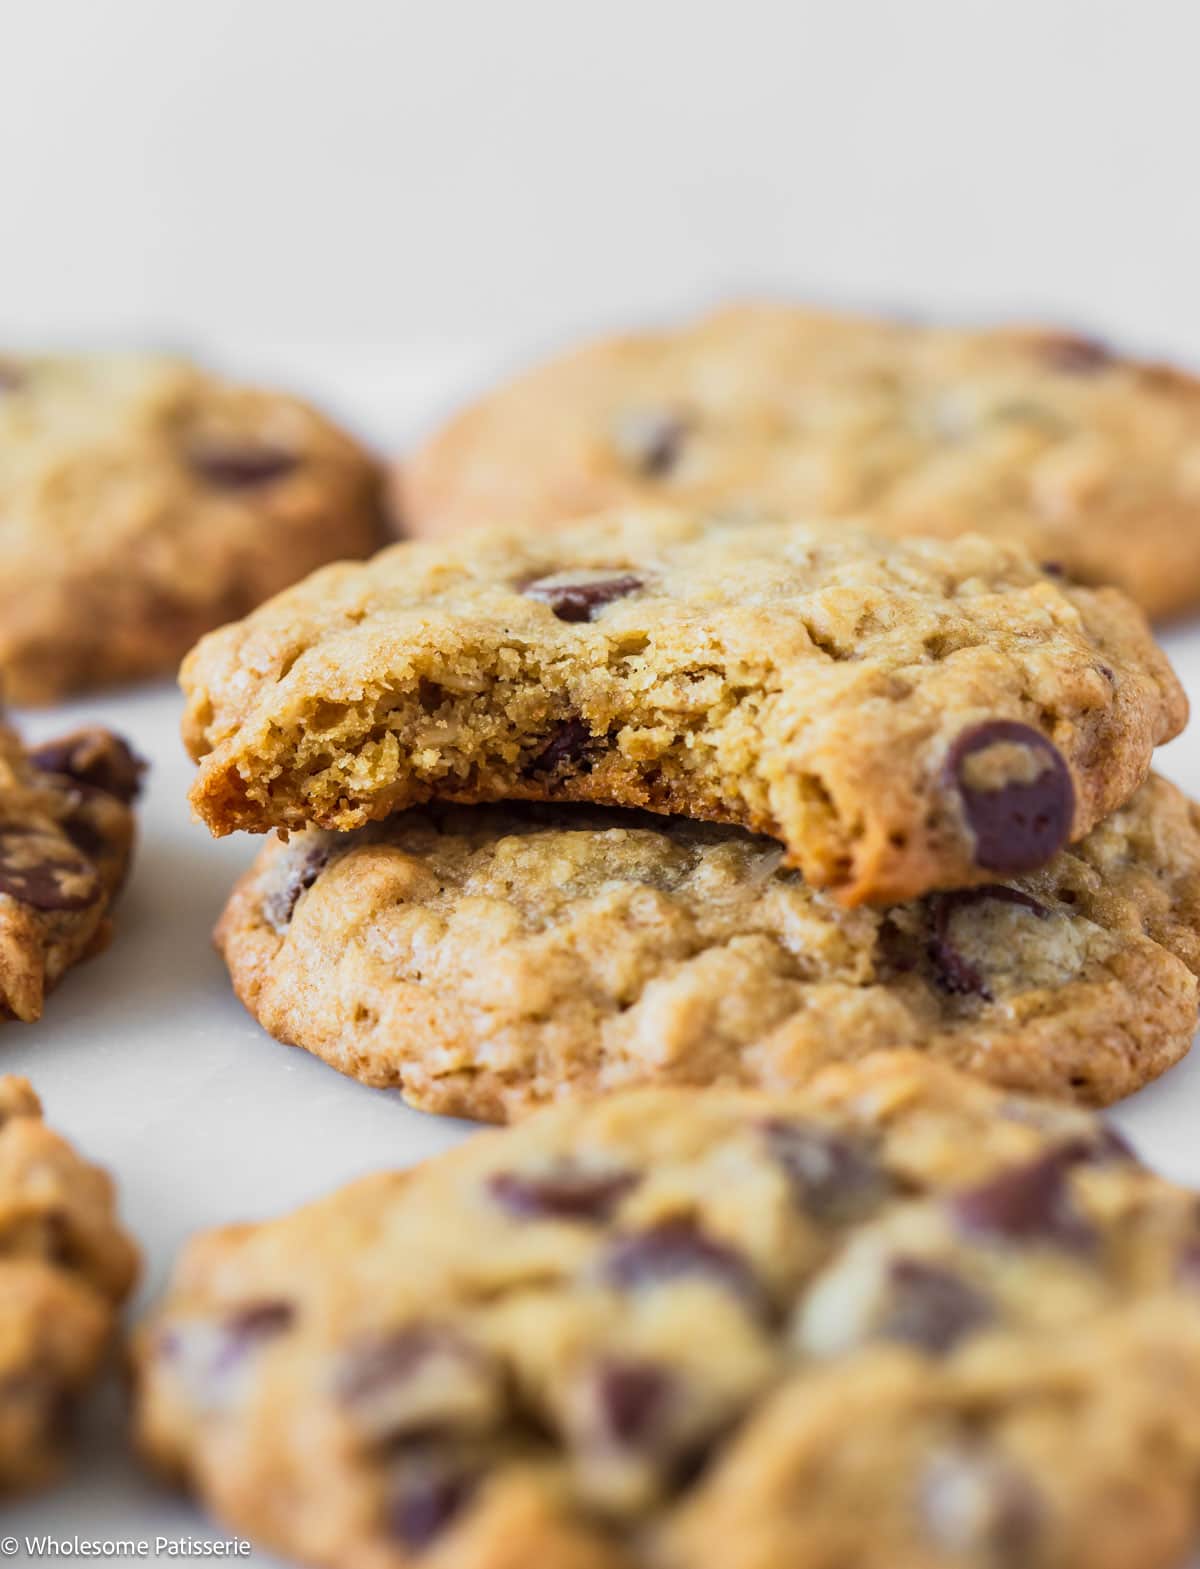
column 901, row 715
column 65, row 1268
column 66, row 836
column 143, row 502
column 487, row 960
column 1090, row 459
column 896, row 1319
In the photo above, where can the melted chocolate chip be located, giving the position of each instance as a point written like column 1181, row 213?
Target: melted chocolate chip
column 249, row 1327
column 39, row 870
column 388, row 1360
column 1019, row 824
column 93, row 758
column 1187, row 1265
column 565, row 1194
column 952, row 970
column 280, row 904
column 630, row 1399
column 580, row 601
column 12, row 377
column 1075, row 355
column 1032, row 1202
column 930, row 1307
column 567, row 747
column 652, row 440
column 231, row 466
column 835, row 1178
column 674, row 1250
column 427, row 1491
column 979, row 1504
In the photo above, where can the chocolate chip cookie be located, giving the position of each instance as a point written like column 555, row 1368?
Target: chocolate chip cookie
column 899, row 1318
column 486, row 960
column 144, row 501
column 66, row 835
column 65, row 1268
column 1089, row 459
column 901, row 715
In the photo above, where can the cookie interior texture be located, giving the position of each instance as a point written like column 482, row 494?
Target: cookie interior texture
column 899, row 1318
column 66, row 836
column 144, row 501
column 902, row 716
column 65, row 1267
column 1089, row 459
column 488, row 960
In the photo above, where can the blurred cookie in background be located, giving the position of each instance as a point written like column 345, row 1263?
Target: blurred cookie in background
column 144, row 501
column 66, row 836
column 65, row 1267
column 1090, row 459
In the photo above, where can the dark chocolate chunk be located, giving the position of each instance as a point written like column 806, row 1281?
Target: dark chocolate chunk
column 567, row 747
column 93, row 758
column 581, row 600
column 568, row 1193
column 301, row 872
column 1076, row 355
column 631, row 1398
column 952, row 970
column 652, row 440
column 1019, row 824
column 675, row 1249
column 1031, row 1202
column 39, row 870
column 931, row 1307
column 384, row 1361
column 426, row 1492
column 835, row 1177
column 229, row 465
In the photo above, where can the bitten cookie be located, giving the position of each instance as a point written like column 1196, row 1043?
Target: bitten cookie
column 486, row 960
column 66, row 835
column 65, row 1268
column 902, row 716
column 143, row 502
column 1089, row 459
column 897, row 1319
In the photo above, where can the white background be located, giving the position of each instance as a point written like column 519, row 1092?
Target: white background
column 383, row 203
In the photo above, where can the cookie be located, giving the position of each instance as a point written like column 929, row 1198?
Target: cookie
column 487, row 960
column 65, row 1268
column 144, row 501
column 899, row 1318
column 902, row 716
column 66, row 835
column 1090, row 460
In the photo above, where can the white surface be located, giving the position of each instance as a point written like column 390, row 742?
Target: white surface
column 146, row 1059
column 393, row 170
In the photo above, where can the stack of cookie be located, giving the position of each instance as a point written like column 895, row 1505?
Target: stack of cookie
column 740, row 801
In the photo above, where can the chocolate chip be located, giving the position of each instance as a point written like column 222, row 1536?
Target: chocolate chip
column 393, row 1359
column 1077, row 356
column 12, row 376
column 652, row 440
column 39, row 870
column 245, row 1329
column 630, row 1399
column 930, row 1307
column 952, row 970
column 977, row 1503
column 567, row 746
column 231, row 466
column 1031, row 1202
column 834, row 1177
column 1017, row 824
column 581, row 599
column 674, row 1250
column 564, row 1194
column 1187, row 1266
column 427, row 1491
column 301, row 872
column 93, row 758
